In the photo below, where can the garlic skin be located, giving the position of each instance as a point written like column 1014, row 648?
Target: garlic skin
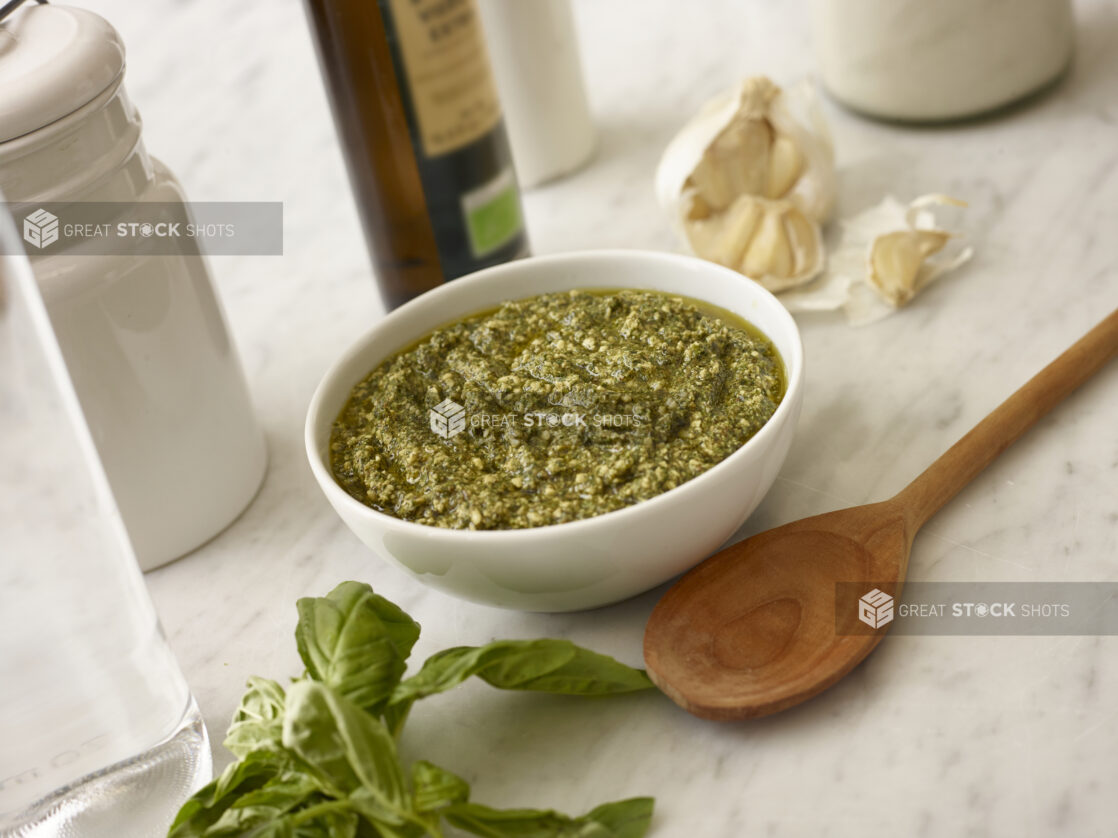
column 755, row 161
column 887, row 255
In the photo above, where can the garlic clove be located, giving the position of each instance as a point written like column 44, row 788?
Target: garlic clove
column 805, row 238
column 723, row 238
column 896, row 259
column 786, row 164
column 729, row 167
column 770, row 252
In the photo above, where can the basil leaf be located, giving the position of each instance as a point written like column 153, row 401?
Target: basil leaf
column 209, row 803
column 409, row 824
column 271, row 829
column 356, row 642
column 499, row 823
column 434, row 787
column 337, row 824
column 628, row 818
column 258, row 722
column 329, row 819
column 349, row 750
column 395, row 715
column 511, row 666
column 553, row 666
column 269, row 803
column 621, row 819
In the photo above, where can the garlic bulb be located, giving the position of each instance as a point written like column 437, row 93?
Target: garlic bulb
column 888, row 254
column 748, row 165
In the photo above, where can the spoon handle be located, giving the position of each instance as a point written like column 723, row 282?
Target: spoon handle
column 962, row 462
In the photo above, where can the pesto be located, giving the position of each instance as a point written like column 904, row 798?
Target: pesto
column 554, row 408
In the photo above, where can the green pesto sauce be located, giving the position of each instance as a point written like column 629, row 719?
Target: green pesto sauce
column 564, row 406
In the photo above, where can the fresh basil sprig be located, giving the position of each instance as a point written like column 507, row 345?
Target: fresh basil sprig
column 319, row 759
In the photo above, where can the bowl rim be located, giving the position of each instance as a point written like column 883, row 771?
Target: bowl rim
column 586, row 526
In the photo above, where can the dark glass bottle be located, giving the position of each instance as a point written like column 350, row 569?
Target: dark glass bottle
column 419, row 120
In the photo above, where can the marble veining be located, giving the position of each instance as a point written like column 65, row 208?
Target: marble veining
column 933, row 736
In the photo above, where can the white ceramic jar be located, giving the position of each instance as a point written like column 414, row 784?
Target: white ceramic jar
column 933, row 60
column 143, row 335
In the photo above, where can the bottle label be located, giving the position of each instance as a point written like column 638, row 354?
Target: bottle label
column 442, row 46
column 492, row 214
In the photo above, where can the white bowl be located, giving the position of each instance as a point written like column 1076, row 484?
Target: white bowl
column 595, row 561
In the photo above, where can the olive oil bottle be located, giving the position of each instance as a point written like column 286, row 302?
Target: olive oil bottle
column 420, row 124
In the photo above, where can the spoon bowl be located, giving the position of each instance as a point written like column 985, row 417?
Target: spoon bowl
column 752, row 631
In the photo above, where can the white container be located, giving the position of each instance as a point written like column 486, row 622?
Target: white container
column 932, row 60
column 534, row 49
column 144, row 336
column 595, row 561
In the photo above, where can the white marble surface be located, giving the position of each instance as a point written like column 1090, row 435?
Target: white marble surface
column 931, row 736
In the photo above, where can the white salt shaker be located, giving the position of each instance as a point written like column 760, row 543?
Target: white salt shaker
column 946, row 59
column 143, row 335
column 534, row 49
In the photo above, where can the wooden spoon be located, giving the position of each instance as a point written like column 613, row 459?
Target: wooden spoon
column 759, row 627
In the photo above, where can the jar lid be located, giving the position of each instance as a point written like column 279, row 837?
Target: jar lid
column 53, row 60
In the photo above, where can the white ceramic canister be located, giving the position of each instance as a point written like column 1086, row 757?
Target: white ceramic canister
column 534, row 49
column 144, row 336
column 933, row 60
